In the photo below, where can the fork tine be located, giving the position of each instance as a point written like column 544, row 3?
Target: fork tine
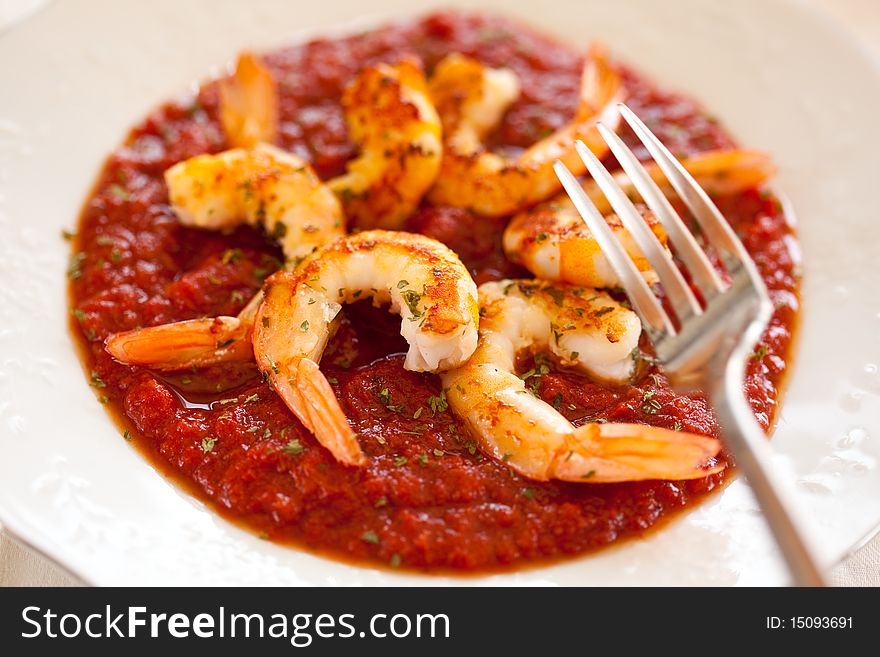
column 687, row 248
column 656, row 322
column 677, row 290
column 716, row 229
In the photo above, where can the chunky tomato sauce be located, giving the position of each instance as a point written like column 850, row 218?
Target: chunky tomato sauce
column 428, row 498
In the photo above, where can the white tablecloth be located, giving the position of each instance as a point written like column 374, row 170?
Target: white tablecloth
column 20, row 566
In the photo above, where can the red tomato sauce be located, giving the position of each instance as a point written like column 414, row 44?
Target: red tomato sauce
column 428, row 498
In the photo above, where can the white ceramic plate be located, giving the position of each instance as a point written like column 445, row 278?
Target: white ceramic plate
column 78, row 74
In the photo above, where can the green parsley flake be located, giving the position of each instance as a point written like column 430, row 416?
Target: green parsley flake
column 294, row 448
column 119, row 192
column 438, row 404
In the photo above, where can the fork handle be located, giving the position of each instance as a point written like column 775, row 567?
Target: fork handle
column 748, row 443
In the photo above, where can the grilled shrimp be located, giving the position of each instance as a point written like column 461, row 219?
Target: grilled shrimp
column 391, row 118
column 249, row 104
column 553, row 242
column 471, row 98
column 424, row 282
column 585, row 329
column 718, row 172
column 259, row 185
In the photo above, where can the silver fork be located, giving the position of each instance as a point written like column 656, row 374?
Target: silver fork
column 708, row 347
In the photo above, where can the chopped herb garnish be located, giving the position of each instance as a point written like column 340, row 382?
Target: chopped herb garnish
column 588, row 475
column 418, row 412
column 557, row 400
column 119, row 192
column 67, row 235
column 402, row 284
column 385, row 398
column 760, row 352
column 79, row 314
column 540, row 237
column 412, row 299
column 382, row 501
column 304, row 327
column 438, row 404
column 250, row 398
column 423, row 458
column 395, row 560
column 208, row 444
column 528, row 493
column 231, row 256
column 225, row 343
column 294, row 448
column 74, row 266
column 96, row 381
column 438, row 452
column 557, row 295
column 370, row 537
column 400, row 460
column 126, row 434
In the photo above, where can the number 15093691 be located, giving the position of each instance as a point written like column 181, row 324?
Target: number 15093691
column 809, row 623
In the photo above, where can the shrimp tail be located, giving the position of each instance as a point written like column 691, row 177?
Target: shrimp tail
column 319, row 410
column 186, row 344
column 610, row 453
column 249, row 103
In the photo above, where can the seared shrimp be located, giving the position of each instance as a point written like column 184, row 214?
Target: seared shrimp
column 585, row 329
column 718, row 172
column 391, row 118
column 259, row 185
column 471, row 98
column 262, row 185
column 422, row 279
column 249, row 104
column 552, row 241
